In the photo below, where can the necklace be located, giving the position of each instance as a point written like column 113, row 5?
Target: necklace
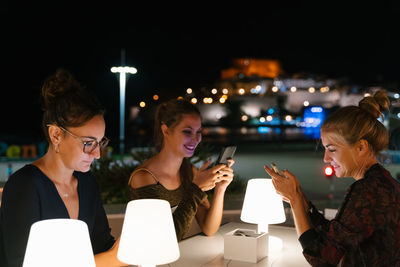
column 63, row 195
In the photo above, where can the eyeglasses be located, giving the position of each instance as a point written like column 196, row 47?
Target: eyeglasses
column 88, row 145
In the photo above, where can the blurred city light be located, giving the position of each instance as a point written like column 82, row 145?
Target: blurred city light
column 130, row 70
column 324, row 89
column 328, row 171
column 263, row 129
column 312, row 120
column 288, row 118
column 122, row 84
column 207, row 100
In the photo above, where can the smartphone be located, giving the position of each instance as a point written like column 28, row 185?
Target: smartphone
column 226, row 153
column 275, row 168
column 248, row 233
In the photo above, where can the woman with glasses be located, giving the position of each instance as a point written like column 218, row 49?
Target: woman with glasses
column 59, row 184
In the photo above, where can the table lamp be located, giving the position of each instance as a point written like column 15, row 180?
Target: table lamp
column 59, row 242
column 262, row 205
column 148, row 236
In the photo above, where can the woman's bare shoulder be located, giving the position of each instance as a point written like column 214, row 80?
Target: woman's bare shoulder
column 142, row 176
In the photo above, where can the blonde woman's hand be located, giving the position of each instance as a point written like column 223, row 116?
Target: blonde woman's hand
column 285, row 185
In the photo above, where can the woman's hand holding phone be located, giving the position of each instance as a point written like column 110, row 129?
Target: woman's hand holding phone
column 287, row 185
column 206, row 178
column 226, row 176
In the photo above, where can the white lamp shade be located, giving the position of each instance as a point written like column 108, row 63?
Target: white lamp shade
column 148, row 234
column 262, row 205
column 59, row 242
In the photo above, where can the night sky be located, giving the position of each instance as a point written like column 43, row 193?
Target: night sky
column 178, row 46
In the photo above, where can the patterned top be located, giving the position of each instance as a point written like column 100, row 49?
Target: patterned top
column 183, row 201
column 366, row 229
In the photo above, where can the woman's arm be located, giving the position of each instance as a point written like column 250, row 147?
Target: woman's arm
column 109, row 257
column 195, row 203
column 289, row 188
column 301, row 219
column 104, row 245
column 208, row 215
column 20, row 209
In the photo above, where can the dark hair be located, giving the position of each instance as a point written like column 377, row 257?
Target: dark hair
column 170, row 113
column 66, row 103
column 353, row 123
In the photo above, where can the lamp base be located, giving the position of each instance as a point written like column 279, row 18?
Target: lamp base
column 245, row 245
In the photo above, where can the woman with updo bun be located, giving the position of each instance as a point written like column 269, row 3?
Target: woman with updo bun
column 60, row 184
column 366, row 229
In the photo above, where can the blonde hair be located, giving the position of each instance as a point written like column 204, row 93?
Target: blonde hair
column 354, row 123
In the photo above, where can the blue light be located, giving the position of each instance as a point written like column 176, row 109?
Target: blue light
column 263, row 129
column 270, row 111
column 313, row 118
column 317, row 109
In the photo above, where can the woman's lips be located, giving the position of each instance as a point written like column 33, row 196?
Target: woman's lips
column 190, row 147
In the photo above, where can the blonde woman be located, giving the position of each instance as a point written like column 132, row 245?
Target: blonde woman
column 366, row 229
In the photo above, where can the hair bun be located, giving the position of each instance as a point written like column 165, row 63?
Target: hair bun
column 375, row 105
column 57, row 85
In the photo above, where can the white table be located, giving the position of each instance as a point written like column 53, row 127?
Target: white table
column 207, row 251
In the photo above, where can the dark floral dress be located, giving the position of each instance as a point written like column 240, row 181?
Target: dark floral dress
column 366, row 229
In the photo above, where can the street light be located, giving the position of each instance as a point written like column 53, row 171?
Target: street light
column 122, row 81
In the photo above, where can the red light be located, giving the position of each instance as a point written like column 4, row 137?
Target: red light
column 329, row 171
